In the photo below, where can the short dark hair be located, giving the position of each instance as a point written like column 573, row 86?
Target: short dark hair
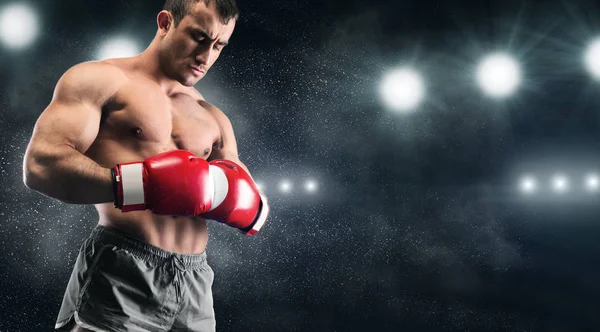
column 227, row 9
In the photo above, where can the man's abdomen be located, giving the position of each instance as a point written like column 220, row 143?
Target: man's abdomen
column 183, row 235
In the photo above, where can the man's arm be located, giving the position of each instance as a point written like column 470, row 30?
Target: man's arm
column 228, row 148
column 234, row 209
column 54, row 163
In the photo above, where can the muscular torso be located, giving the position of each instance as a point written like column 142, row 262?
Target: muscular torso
column 141, row 120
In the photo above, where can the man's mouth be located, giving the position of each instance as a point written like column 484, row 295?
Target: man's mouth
column 197, row 70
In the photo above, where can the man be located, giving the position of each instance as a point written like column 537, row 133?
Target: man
column 134, row 137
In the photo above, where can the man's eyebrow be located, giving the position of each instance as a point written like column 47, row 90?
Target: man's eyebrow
column 207, row 36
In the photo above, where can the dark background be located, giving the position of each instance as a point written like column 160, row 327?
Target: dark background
column 417, row 224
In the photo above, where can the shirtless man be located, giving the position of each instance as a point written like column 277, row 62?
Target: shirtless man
column 135, row 138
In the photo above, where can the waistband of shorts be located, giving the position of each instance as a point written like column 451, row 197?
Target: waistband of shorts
column 143, row 249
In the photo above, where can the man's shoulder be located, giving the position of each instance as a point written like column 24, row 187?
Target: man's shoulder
column 221, row 118
column 214, row 110
column 97, row 80
column 94, row 74
column 93, row 68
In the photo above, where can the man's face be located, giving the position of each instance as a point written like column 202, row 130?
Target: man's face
column 189, row 50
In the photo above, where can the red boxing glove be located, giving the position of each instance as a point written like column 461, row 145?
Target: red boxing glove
column 171, row 183
column 237, row 201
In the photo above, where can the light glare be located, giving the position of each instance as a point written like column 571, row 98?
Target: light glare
column 592, row 58
column 402, row 89
column 118, row 47
column 560, row 183
column 498, row 75
column 19, row 25
column 592, row 182
column 310, row 186
column 528, row 185
column 285, row 186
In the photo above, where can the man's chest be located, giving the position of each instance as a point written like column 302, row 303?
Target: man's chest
column 147, row 116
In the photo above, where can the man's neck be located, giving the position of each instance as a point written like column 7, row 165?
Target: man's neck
column 150, row 64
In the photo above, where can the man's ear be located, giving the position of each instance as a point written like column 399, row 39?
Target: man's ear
column 164, row 20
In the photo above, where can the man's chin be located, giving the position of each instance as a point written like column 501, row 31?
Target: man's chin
column 189, row 81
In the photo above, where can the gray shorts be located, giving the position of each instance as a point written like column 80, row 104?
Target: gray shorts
column 120, row 283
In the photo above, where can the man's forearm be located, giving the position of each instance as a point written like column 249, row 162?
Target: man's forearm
column 69, row 176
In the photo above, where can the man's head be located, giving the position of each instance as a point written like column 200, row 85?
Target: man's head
column 192, row 34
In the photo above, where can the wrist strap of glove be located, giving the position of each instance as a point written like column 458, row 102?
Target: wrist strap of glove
column 260, row 219
column 113, row 172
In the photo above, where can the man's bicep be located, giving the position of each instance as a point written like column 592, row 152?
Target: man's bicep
column 67, row 123
column 73, row 116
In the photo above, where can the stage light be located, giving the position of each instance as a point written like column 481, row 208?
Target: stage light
column 310, row 186
column 592, row 58
column 285, row 186
column 528, row 185
column 402, row 89
column 560, row 183
column 498, row 75
column 118, row 47
column 19, row 25
column 592, row 182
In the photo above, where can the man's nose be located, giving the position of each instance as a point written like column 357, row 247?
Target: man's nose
column 204, row 54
